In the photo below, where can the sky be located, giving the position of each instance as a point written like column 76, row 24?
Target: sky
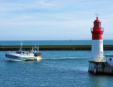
column 54, row 19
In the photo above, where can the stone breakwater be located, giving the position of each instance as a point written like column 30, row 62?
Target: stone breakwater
column 52, row 47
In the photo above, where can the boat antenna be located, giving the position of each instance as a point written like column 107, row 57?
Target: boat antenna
column 38, row 46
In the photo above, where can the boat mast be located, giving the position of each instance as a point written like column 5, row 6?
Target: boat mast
column 38, row 46
column 21, row 45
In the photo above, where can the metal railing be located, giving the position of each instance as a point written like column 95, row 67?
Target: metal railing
column 102, row 29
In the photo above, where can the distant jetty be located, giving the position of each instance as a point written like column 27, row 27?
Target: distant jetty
column 52, row 47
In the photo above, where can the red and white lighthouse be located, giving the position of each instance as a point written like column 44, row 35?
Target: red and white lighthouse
column 97, row 41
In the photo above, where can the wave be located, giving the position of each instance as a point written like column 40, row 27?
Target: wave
column 58, row 58
column 13, row 60
column 67, row 58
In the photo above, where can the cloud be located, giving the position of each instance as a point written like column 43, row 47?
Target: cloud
column 45, row 4
column 70, row 17
column 54, row 19
column 19, row 6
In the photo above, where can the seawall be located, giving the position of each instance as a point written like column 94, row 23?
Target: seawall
column 101, row 68
column 53, row 47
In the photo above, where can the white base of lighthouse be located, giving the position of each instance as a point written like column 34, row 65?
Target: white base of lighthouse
column 97, row 50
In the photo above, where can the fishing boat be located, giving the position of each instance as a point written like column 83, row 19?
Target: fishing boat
column 21, row 55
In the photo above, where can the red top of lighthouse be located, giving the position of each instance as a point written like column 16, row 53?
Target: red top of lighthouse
column 97, row 31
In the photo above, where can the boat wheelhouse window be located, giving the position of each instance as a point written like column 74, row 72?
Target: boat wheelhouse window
column 110, row 59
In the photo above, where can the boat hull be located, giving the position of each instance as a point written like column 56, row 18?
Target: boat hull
column 23, row 57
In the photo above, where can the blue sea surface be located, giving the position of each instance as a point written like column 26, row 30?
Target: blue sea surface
column 54, row 42
column 57, row 69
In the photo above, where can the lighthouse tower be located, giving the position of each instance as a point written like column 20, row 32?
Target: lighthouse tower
column 97, row 41
column 98, row 65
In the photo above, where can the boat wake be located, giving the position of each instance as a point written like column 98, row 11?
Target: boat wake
column 14, row 60
column 62, row 58
column 67, row 58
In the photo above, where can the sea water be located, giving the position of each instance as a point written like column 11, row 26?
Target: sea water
column 53, row 42
column 57, row 69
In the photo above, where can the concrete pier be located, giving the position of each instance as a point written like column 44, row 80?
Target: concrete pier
column 100, row 68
